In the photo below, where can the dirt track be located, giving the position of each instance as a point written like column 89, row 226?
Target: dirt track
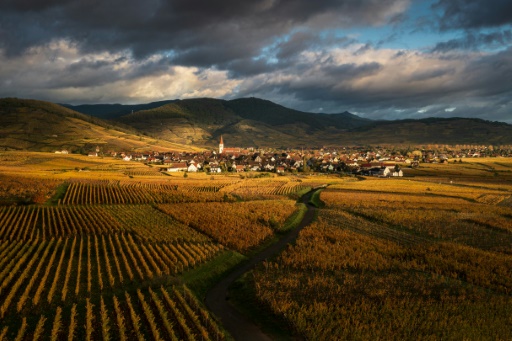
column 216, row 298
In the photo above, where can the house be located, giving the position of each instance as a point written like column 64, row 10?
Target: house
column 215, row 169
column 240, row 168
column 177, row 167
column 192, row 168
column 140, row 157
column 397, row 173
column 297, row 164
column 254, row 166
column 384, row 172
column 268, row 167
column 390, row 170
column 280, row 169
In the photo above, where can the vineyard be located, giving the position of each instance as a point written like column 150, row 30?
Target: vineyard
column 137, row 193
column 485, row 226
column 384, row 265
column 141, row 314
column 250, row 189
column 100, row 254
column 107, row 249
column 28, row 223
column 237, row 225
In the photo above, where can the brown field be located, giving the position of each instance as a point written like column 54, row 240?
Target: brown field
column 427, row 257
column 99, row 248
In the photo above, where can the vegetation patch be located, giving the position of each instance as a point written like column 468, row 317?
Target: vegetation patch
column 60, row 191
column 315, row 199
column 206, row 275
column 294, row 220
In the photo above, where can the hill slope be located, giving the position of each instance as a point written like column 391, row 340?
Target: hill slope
column 113, row 111
column 256, row 122
column 43, row 126
column 243, row 122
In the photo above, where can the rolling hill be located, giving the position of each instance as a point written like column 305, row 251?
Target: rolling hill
column 243, row 122
column 196, row 123
column 261, row 123
column 113, row 111
column 44, row 126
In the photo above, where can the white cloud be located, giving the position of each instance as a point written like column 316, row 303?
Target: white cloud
column 58, row 72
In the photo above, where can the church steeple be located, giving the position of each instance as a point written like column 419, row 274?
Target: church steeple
column 221, row 145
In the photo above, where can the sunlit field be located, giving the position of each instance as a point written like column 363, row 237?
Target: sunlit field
column 424, row 257
column 97, row 248
column 100, row 248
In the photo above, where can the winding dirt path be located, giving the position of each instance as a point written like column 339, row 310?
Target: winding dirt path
column 216, row 298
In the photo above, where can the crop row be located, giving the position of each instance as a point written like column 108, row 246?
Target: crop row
column 48, row 271
column 158, row 314
column 92, row 194
column 143, row 173
column 31, row 222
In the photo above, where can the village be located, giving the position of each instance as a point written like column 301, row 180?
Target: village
column 358, row 160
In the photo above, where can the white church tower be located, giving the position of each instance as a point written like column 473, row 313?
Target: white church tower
column 221, row 145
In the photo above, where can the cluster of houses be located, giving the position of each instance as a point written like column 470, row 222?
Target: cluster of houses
column 246, row 160
column 375, row 161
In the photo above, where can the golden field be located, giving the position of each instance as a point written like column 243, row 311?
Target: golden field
column 425, row 257
column 99, row 248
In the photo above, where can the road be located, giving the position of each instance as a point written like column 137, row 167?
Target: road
column 216, row 298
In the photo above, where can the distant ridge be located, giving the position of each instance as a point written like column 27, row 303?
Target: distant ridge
column 112, row 111
column 246, row 122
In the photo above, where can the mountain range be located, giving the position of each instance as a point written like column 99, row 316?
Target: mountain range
column 199, row 123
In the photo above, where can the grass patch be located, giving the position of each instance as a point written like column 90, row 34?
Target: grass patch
column 299, row 194
column 294, row 220
column 242, row 295
column 200, row 279
column 59, row 194
column 291, row 222
column 315, row 199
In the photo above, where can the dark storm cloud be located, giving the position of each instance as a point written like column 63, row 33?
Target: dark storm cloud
column 476, row 87
column 200, row 33
column 490, row 75
column 346, row 72
column 247, row 67
column 91, row 73
column 306, row 40
column 325, row 82
column 297, row 43
column 284, row 54
column 475, row 41
column 425, row 75
column 471, row 14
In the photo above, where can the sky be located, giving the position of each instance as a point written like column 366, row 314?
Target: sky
column 379, row 59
